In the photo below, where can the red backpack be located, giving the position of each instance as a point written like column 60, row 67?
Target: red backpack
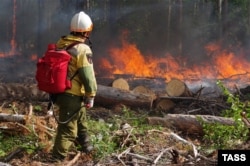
column 52, row 69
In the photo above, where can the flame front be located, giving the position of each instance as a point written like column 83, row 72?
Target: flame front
column 221, row 64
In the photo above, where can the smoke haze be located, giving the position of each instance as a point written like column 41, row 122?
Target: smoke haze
column 157, row 28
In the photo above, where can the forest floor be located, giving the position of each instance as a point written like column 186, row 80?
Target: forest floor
column 159, row 146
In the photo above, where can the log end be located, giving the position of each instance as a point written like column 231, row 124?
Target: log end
column 120, row 83
column 144, row 90
column 177, row 88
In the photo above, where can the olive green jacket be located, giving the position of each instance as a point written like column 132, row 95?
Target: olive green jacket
column 84, row 82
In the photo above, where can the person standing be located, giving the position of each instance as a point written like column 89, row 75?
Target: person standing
column 73, row 102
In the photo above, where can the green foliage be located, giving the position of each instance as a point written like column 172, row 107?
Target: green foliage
column 225, row 136
column 10, row 143
column 2, row 152
column 104, row 135
column 100, row 137
column 37, row 108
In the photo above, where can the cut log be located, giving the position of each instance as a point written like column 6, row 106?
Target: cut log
column 176, row 88
column 12, row 118
column 109, row 96
column 106, row 96
column 188, row 123
column 164, row 105
column 120, row 83
column 144, row 90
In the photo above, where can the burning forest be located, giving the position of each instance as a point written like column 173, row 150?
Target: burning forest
column 176, row 64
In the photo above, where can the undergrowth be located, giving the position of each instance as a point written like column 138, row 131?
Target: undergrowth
column 220, row 136
column 105, row 135
column 108, row 135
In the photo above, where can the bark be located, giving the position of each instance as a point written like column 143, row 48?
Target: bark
column 109, row 96
column 106, row 96
column 188, row 123
column 12, row 118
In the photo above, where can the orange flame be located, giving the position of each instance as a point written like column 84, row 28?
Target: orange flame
column 222, row 64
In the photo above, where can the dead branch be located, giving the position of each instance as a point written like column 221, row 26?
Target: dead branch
column 140, row 157
column 1, row 107
column 207, row 159
column 30, row 110
column 74, row 160
column 24, row 127
column 4, row 164
column 13, row 153
column 126, row 139
column 178, row 138
column 12, row 118
column 245, row 119
column 120, row 155
column 159, row 156
column 195, row 151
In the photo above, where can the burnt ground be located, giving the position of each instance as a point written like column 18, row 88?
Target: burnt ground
column 159, row 146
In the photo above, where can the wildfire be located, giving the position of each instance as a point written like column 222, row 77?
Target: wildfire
column 222, row 64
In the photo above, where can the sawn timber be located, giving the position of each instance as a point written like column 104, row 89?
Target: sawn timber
column 106, row 96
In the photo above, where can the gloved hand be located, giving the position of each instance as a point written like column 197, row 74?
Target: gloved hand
column 89, row 102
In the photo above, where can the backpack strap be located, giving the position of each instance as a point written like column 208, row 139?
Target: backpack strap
column 69, row 47
column 72, row 45
column 71, row 78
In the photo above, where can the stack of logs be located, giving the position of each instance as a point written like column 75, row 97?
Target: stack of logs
column 119, row 92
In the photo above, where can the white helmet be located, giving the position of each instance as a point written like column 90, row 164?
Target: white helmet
column 81, row 22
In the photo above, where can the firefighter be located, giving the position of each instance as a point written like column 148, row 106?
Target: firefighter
column 82, row 92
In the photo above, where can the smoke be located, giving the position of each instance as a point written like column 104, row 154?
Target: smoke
column 179, row 28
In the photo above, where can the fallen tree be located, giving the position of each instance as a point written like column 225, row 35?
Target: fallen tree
column 109, row 96
column 189, row 124
column 106, row 96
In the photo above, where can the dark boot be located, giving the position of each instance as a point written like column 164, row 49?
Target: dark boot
column 84, row 142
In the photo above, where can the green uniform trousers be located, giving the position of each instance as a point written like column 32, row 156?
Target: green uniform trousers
column 67, row 133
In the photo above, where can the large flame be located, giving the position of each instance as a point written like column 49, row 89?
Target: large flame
column 221, row 64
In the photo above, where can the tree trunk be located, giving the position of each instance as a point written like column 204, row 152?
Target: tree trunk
column 106, row 96
column 188, row 123
column 109, row 96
